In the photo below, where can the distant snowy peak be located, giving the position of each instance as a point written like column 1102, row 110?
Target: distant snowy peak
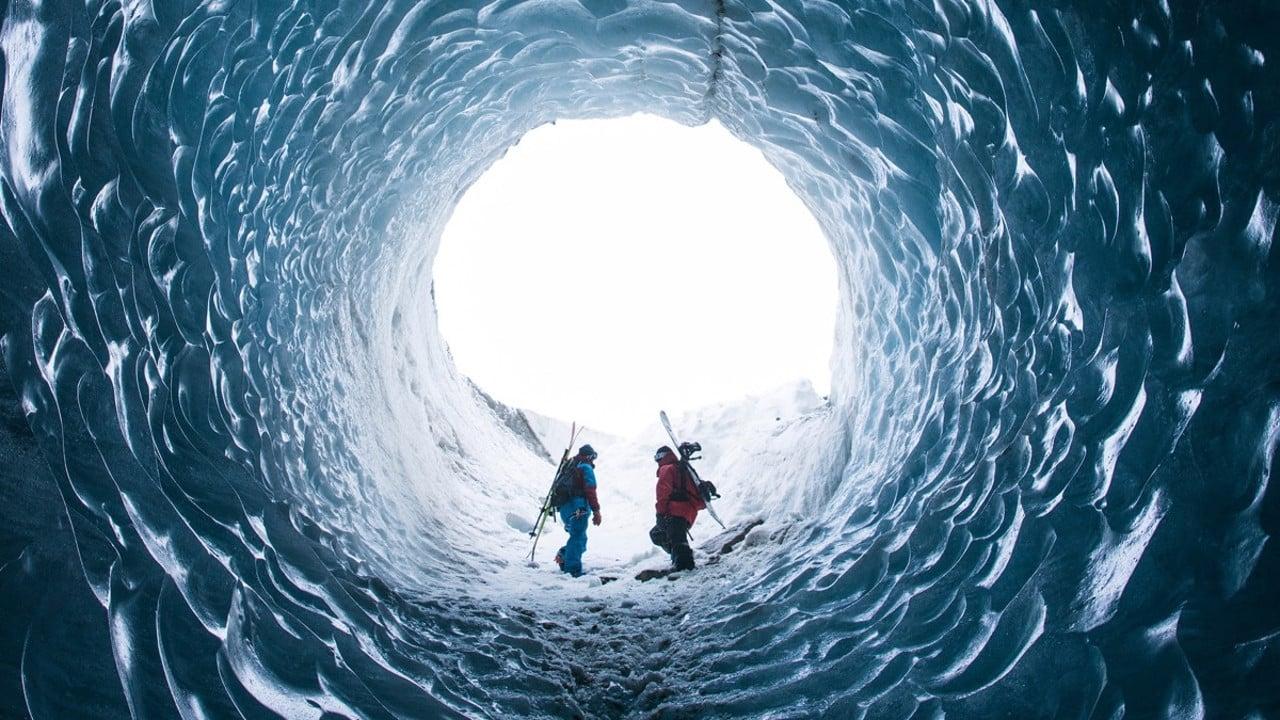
column 731, row 427
column 554, row 434
column 793, row 399
column 516, row 420
column 783, row 403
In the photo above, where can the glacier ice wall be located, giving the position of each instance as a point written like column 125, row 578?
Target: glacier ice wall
column 1044, row 484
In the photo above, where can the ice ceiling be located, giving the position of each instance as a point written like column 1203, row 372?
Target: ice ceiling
column 1041, row 488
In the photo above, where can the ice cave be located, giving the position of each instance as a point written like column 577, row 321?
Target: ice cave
column 243, row 478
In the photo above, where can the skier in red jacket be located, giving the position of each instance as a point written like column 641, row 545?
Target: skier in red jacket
column 678, row 504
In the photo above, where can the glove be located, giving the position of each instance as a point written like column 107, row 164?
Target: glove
column 595, row 518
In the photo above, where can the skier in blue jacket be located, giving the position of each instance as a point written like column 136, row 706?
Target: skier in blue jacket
column 574, row 513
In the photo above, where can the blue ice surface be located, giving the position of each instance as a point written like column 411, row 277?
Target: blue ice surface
column 1041, row 488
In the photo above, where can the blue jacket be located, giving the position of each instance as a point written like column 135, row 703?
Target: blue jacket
column 588, row 497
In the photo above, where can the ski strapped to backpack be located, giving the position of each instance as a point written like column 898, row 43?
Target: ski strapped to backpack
column 548, row 507
column 687, row 452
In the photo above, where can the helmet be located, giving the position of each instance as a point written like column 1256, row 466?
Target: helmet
column 661, row 453
column 587, row 451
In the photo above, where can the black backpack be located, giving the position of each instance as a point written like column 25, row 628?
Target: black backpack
column 567, row 485
column 680, row 489
column 680, row 492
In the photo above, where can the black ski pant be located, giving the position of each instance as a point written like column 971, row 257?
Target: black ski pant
column 671, row 533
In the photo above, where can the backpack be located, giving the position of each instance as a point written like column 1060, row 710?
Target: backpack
column 567, row 485
column 680, row 491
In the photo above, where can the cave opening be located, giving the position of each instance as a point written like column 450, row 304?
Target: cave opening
column 605, row 269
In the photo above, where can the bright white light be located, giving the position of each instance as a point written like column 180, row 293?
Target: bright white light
column 606, row 269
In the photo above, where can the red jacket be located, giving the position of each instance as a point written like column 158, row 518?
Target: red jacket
column 669, row 478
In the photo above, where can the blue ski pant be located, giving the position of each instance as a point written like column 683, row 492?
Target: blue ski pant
column 575, row 519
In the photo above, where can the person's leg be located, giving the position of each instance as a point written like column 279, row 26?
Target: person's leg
column 678, row 538
column 658, row 534
column 565, row 514
column 576, row 524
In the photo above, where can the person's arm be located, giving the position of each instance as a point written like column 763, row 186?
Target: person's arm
column 665, row 479
column 589, row 488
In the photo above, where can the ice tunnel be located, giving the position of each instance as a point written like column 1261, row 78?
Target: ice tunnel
column 242, row 477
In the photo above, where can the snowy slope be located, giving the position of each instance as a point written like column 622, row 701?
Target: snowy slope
column 744, row 453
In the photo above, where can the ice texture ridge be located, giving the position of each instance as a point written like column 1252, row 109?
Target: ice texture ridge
column 1043, row 483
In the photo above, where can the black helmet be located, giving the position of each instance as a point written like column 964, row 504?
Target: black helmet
column 661, row 452
column 586, row 451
